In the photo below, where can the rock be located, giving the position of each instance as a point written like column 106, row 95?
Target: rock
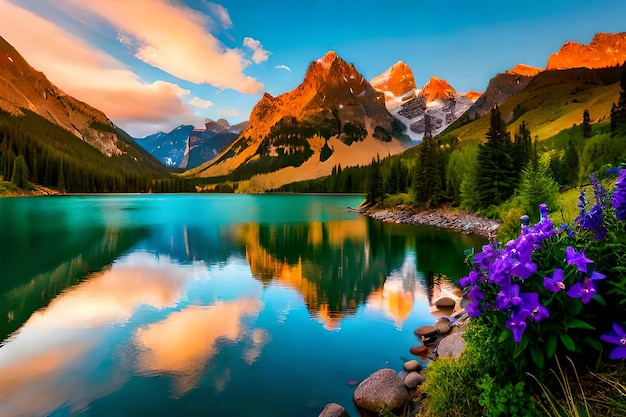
column 443, row 325
column 382, row 388
column 421, row 351
column 413, row 379
column 451, row 346
column 426, row 331
column 334, row 410
column 412, row 366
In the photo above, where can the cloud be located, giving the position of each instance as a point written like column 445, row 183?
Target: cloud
column 185, row 50
column 285, row 67
column 221, row 13
column 229, row 112
column 260, row 54
column 93, row 76
column 198, row 102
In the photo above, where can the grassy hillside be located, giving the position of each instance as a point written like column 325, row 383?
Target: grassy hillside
column 553, row 101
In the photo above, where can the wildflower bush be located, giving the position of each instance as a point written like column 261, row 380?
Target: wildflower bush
column 555, row 289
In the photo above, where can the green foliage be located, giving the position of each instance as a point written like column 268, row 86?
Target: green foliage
column 496, row 176
column 504, row 400
column 618, row 112
column 536, row 187
column 55, row 157
column 352, row 133
column 601, row 152
column 586, row 124
column 375, row 188
column 449, row 390
column 20, row 172
column 382, row 134
column 325, row 152
column 428, row 180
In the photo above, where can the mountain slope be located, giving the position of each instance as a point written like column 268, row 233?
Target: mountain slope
column 302, row 134
column 553, row 101
column 64, row 142
column 168, row 148
column 22, row 87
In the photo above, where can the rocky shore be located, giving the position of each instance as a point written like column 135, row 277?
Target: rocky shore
column 445, row 217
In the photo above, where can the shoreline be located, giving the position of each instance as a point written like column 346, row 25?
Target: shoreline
column 458, row 220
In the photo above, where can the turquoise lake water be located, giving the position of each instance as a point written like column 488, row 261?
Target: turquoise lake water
column 207, row 305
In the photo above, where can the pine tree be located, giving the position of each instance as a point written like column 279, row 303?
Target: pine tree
column 375, row 191
column 522, row 148
column 20, row 172
column 496, row 176
column 618, row 112
column 428, row 186
column 586, row 124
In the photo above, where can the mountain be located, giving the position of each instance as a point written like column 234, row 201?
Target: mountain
column 64, row 142
column 168, row 148
column 186, row 147
column 605, row 50
column 550, row 102
column 409, row 105
column 524, row 70
column 397, row 80
column 333, row 118
column 22, row 87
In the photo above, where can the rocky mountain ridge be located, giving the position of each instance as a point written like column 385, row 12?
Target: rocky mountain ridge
column 333, row 117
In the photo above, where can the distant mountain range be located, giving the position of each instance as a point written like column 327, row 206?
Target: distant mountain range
column 187, row 147
column 410, row 105
column 335, row 117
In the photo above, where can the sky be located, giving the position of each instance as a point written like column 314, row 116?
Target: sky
column 152, row 65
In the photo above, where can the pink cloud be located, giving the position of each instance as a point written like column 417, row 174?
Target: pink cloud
column 93, row 76
column 185, row 50
column 260, row 54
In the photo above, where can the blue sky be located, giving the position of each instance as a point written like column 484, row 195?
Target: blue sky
column 155, row 64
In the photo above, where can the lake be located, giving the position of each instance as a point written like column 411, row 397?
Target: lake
column 212, row 305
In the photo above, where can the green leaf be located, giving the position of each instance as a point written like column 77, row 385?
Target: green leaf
column 503, row 335
column 599, row 299
column 579, row 324
column 538, row 357
column 594, row 343
column 568, row 342
column 550, row 346
column 578, row 306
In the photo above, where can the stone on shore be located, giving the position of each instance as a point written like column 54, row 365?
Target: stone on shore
column 451, row 346
column 421, row 351
column 443, row 325
column 413, row 379
column 382, row 388
column 334, row 410
column 412, row 366
column 426, row 331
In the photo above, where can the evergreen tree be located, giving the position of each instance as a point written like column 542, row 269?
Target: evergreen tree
column 618, row 112
column 586, row 124
column 428, row 186
column 375, row 190
column 522, row 148
column 537, row 187
column 496, row 176
column 20, row 172
column 428, row 127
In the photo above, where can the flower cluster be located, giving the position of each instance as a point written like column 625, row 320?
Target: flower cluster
column 619, row 196
column 545, row 275
column 501, row 280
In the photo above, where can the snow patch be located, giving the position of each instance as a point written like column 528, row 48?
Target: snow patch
column 10, row 59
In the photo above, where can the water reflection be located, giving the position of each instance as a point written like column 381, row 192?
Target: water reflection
column 175, row 297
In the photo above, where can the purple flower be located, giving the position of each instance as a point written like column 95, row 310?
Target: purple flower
column 554, row 284
column 577, row 258
column 473, row 309
column 619, row 196
column 616, row 337
column 596, row 275
column 531, row 304
column 593, row 221
column 471, row 279
column 599, row 191
column 584, row 290
column 517, row 324
column 508, row 297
